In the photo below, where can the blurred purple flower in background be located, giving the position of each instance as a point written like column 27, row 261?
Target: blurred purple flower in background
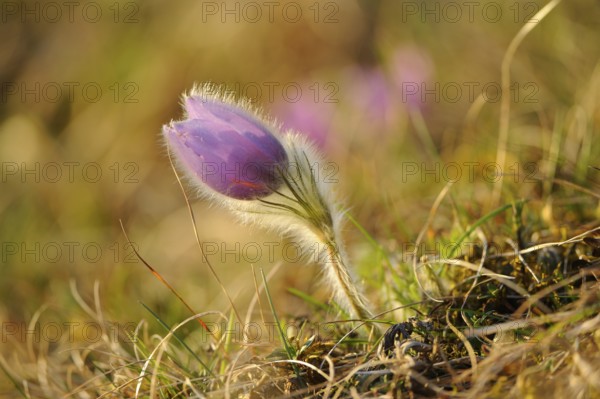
column 225, row 147
column 411, row 69
column 371, row 97
column 369, row 92
column 309, row 117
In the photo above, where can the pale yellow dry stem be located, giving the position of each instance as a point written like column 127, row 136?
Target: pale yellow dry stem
column 259, row 289
column 160, row 348
column 476, row 277
column 204, row 257
column 466, row 343
column 577, row 187
column 422, row 233
column 552, row 163
column 535, row 298
column 515, row 247
column 505, row 100
column 546, row 366
column 534, row 248
column 229, row 377
column 502, row 279
column 517, row 324
column 475, row 109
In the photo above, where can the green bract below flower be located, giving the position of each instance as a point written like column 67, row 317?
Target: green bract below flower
column 240, row 160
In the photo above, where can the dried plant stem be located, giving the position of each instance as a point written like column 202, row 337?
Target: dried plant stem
column 505, row 101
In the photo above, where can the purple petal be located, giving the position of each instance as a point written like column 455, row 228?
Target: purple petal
column 227, row 149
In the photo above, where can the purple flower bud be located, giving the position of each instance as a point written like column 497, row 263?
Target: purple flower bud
column 227, row 148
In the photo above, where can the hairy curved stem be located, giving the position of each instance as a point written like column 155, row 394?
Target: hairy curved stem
column 344, row 289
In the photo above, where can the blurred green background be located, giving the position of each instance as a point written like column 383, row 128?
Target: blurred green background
column 382, row 86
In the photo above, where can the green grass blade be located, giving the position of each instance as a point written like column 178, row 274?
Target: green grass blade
column 228, row 339
column 291, row 352
column 288, row 348
column 308, row 298
column 479, row 222
column 166, row 326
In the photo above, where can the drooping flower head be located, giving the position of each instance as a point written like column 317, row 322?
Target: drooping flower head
column 264, row 177
column 226, row 147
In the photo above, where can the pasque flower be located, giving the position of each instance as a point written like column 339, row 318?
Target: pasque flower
column 228, row 149
column 240, row 160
